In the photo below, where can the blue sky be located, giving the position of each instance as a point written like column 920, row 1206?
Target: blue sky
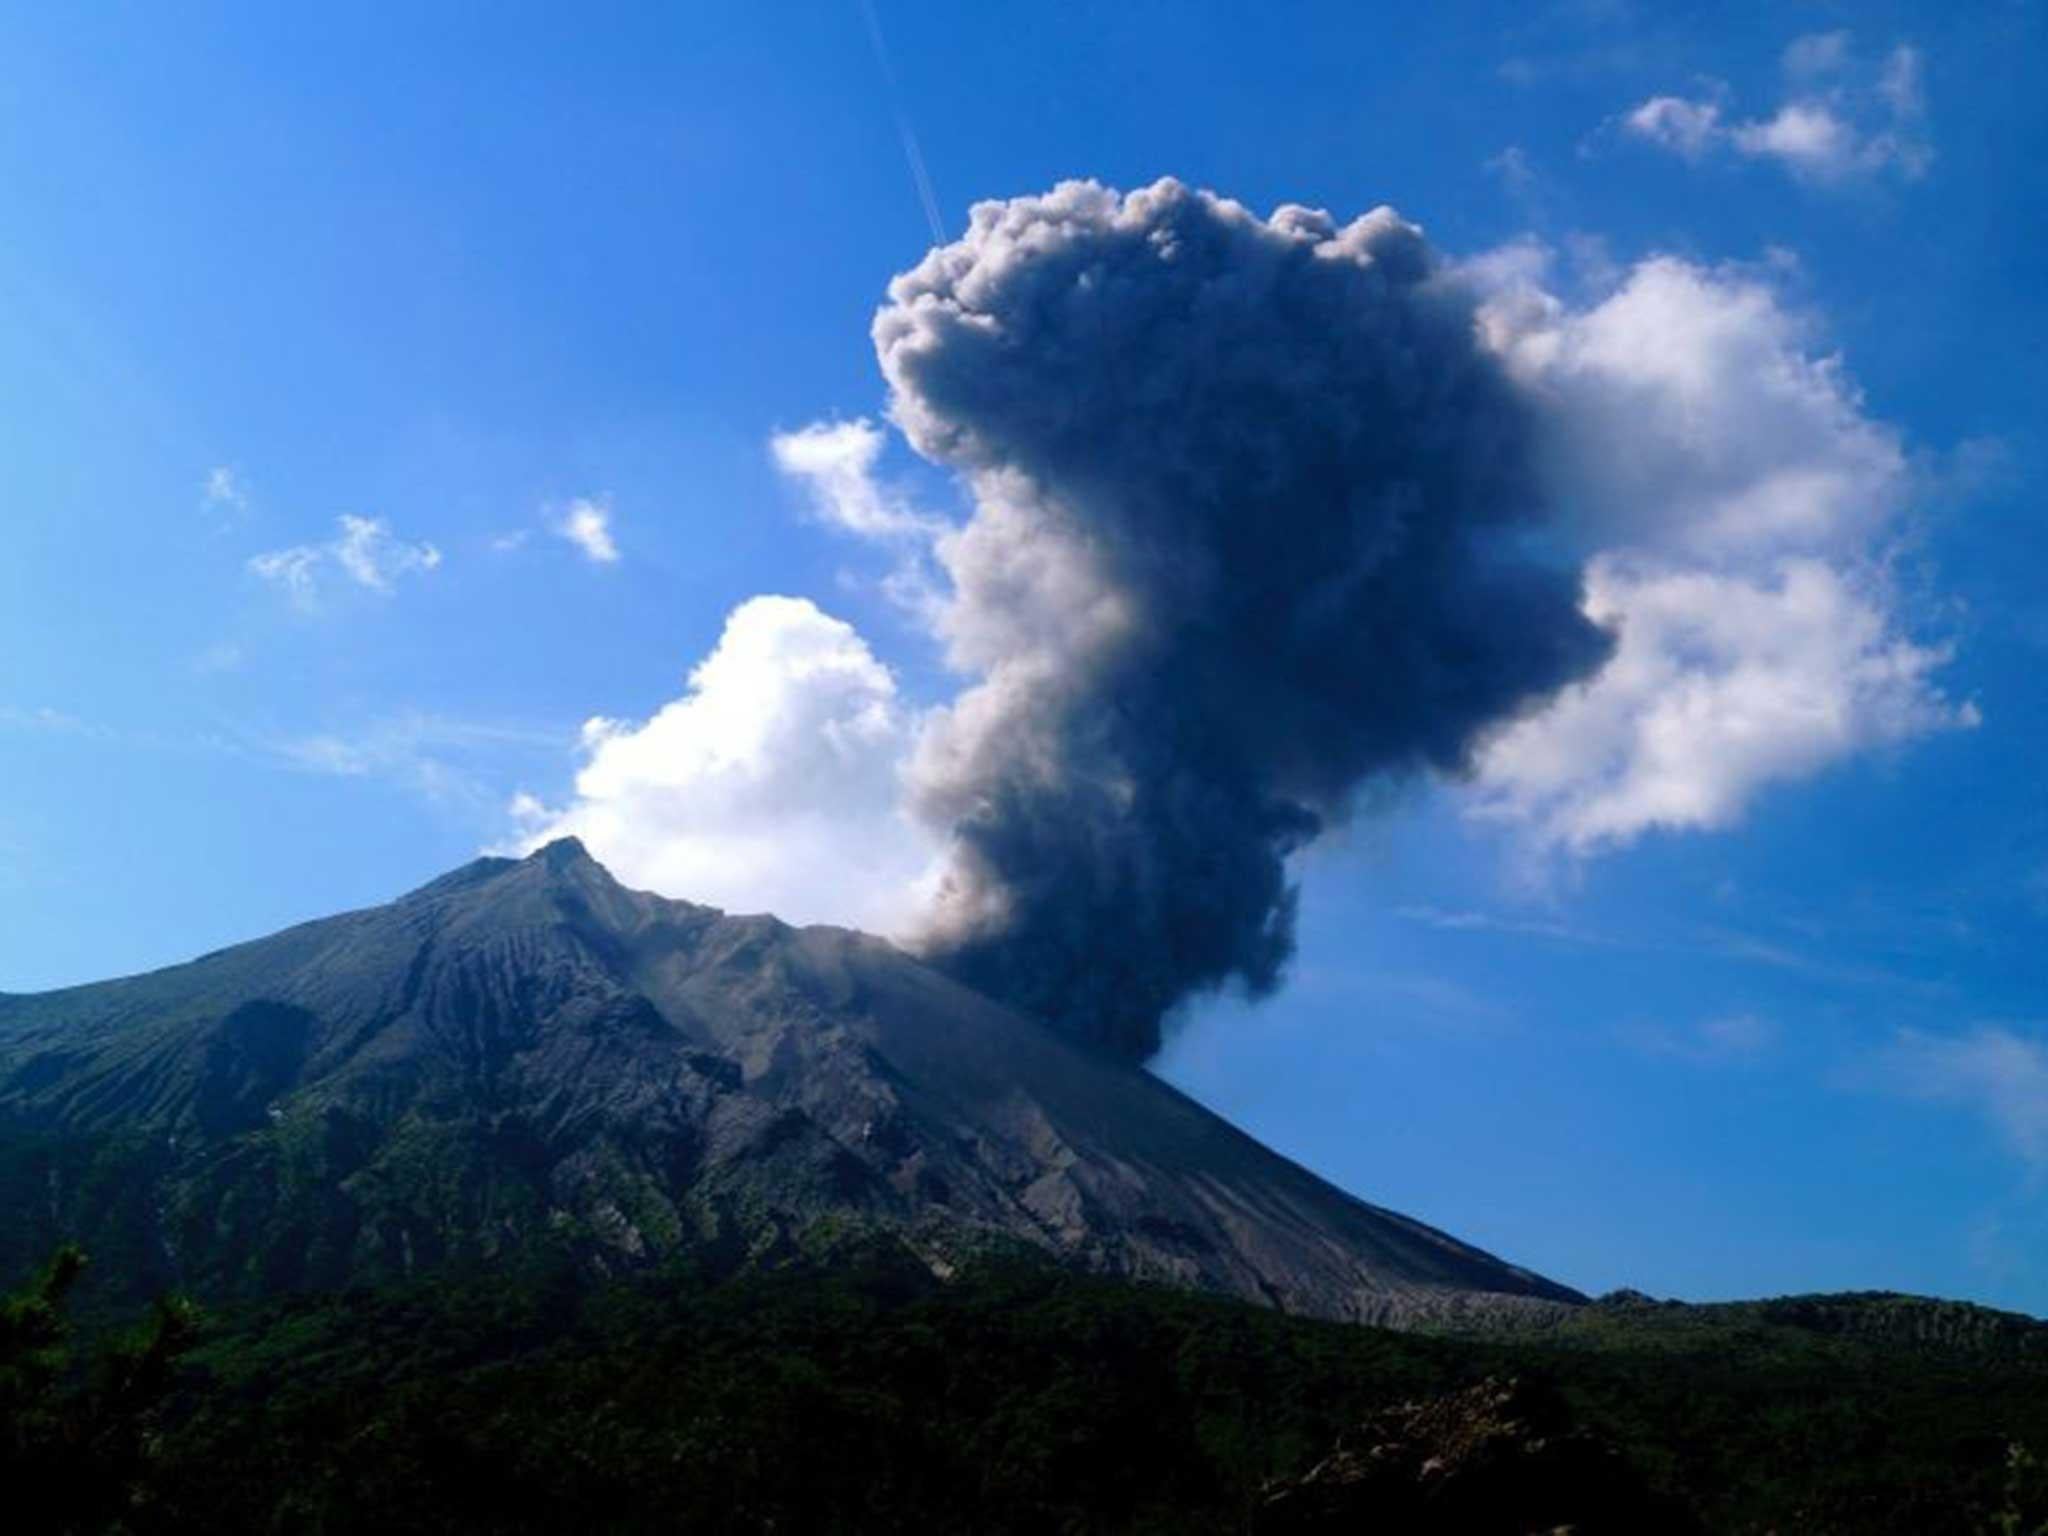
column 531, row 299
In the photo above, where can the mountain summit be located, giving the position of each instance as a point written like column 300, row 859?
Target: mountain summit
column 524, row 1056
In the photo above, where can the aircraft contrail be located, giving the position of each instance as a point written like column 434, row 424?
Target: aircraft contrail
column 911, row 153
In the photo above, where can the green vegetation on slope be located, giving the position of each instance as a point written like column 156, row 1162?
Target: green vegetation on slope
column 866, row 1396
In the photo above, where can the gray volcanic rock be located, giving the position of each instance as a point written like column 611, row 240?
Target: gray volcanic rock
column 525, row 1057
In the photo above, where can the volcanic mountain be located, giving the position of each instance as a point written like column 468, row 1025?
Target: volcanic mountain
column 526, row 1058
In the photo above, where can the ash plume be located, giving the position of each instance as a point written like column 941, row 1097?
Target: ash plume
column 1256, row 529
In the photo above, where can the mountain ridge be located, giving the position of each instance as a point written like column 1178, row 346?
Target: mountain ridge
column 524, row 1055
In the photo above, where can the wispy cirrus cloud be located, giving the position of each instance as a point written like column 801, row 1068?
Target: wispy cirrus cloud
column 450, row 760
column 587, row 524
column 1720, row 1040
column 291, row 569
column 221, row 656
column 44, row 720
column 1472, row 920
column 365, row 553
column 1997, row 1071
column 373, row 558
column 225, row 492
column 1810, row 957
column 444, row 759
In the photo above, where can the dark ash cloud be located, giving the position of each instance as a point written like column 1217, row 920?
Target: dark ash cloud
column 1252, row 535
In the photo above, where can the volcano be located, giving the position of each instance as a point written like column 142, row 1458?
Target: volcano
column 524, row 1058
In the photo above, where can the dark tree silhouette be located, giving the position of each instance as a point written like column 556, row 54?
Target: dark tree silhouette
column 77, row 1440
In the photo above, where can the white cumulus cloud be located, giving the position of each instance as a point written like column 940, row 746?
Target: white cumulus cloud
column 1686, row 409
column 1722, row 684
column 835, row 462
column 1689, row 128
column 1840, row 122
column 770, row 784
column 1738, row 499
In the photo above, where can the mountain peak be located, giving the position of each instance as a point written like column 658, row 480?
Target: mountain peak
column 562, row 856
column 562, row 853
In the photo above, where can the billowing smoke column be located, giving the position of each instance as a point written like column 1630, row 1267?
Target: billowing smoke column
column 1252, row 533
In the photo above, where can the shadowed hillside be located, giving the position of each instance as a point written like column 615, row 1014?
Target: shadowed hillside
column 867, row 1395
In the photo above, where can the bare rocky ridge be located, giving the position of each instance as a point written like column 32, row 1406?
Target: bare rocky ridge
column 526, row 1056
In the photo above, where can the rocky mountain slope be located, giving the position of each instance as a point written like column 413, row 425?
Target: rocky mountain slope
column 524, row 1057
